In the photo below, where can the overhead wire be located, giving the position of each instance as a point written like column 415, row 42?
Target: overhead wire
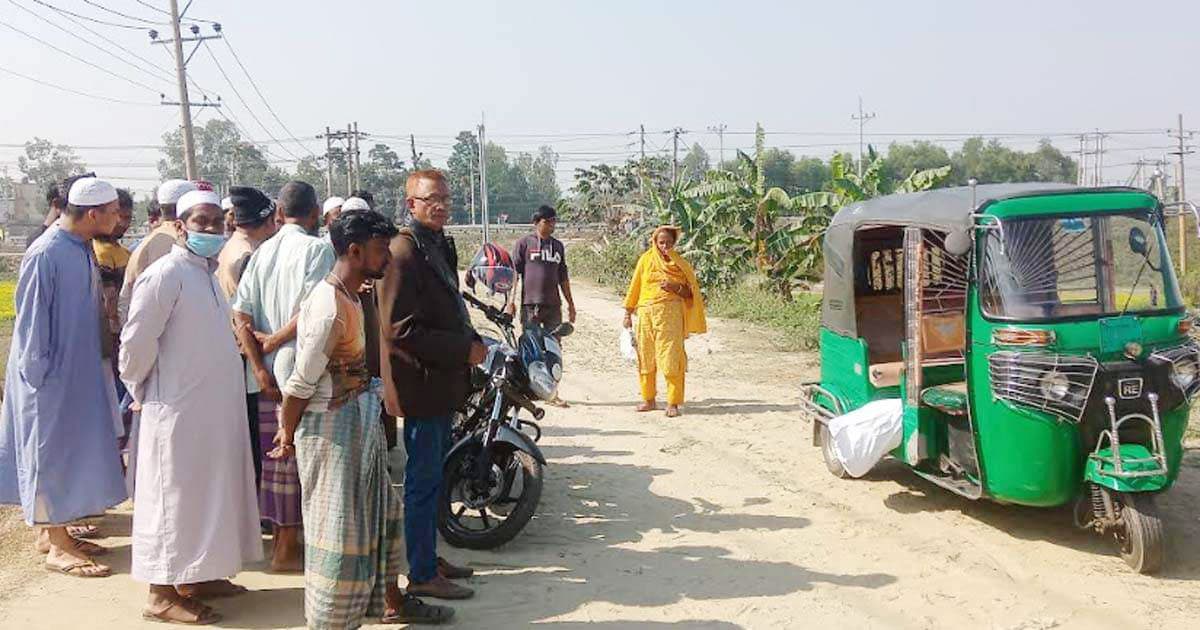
column 81, row 59
column 74, row 91
column 254, row 85
column 126, row 16
column 246, row 105
column 88, row 18
column 181, row 14
column 161, row 74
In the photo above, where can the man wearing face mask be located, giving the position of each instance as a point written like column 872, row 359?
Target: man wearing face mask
column 279, row 275
column 195, row 517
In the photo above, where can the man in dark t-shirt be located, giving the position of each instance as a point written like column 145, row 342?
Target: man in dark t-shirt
column 541, row 262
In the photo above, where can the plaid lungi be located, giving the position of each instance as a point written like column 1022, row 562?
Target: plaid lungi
column 279, row 490
column 352, row 547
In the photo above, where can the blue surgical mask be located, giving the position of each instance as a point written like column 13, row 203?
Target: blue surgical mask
column 205, row 244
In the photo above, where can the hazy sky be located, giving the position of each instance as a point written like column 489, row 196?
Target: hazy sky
column 542, row 71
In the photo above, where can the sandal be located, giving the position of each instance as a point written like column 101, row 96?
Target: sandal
column 82, row 546
column 83, row 531
column 217, row 589
column 185, row 612
column 81, row 569
column 414, row 611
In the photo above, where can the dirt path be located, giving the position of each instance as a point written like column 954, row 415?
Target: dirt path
column 725, row 518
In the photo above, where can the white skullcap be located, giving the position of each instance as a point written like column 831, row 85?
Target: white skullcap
column 331, row 204
column 90, row 191
column 355, row 203
column 196, row 198
column 171, row 190
column 227, row 204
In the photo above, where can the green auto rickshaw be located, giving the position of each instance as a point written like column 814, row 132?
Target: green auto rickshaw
column 1033, row 339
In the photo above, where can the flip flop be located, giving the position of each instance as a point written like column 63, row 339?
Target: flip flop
column 90, row 549
column 204, row 615
column 414, row 611
column 83, row 531
column 78, row 569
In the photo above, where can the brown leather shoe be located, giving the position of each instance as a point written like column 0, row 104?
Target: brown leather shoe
column 451, row 572
column 439, row 588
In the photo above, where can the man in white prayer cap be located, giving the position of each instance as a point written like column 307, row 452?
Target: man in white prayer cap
column 195, row 515
column 330, row 211
column 58, row 448
column 157, row 243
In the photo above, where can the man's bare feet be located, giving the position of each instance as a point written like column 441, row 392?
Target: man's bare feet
column 288, row 555
column 42, row 544
column 648, row 405
column 214, row 589
column 67, row 559
column 672, row 411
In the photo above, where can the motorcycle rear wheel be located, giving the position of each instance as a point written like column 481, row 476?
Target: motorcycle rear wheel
column 456, row 486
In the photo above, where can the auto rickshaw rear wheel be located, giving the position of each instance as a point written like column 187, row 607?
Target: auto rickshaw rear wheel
column 1140, row 537
column 827, row 451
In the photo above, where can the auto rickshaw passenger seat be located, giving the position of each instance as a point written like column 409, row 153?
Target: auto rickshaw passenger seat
column 950, row 398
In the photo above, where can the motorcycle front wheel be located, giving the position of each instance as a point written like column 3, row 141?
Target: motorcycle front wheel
column 487, row 513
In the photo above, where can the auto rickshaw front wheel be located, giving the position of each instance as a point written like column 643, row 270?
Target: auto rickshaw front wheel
column 829, row 454
column 1140, row 535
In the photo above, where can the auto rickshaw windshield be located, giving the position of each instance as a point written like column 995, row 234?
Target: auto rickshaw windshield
column 1077, row 266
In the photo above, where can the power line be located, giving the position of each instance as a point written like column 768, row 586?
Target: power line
column 181, row 17
column 80, row 59
column 118, row 13
column 270, row 109
column 213, row 55
column 90, row 19
column 123, row 60
column 73, row 91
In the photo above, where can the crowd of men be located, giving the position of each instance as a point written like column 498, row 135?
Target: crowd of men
column 253, row 370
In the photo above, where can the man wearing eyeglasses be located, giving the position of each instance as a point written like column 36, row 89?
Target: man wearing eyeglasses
column 427, row 349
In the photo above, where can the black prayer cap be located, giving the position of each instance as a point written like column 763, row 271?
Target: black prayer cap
column 250, row 205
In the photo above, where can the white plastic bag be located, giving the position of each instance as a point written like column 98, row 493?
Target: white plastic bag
column 862, row 437
column 628, row 345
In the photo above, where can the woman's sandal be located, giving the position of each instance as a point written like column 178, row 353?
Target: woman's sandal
column 186, row 612
column 413, row 610
column 81, row 569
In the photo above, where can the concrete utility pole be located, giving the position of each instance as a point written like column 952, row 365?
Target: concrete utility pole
column 642, row 166
column 862, row 118
column 1081, row 165
column 720, row 131
column 190, row 168
column 1181, row 191
column 483, row 189
column 675, row 155
column 357, row 158
column 328, row 164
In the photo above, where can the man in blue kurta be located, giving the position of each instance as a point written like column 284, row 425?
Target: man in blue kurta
column 58, row 449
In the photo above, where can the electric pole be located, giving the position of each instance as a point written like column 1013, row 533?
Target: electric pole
column 720, row 131
column 862, row 118
column 1081, row 165
column 328, row 164
column 1181, row 191
column 483, row 190
column 675, row 155
column 185, row 105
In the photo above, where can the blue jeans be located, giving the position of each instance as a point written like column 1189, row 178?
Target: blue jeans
column 426, row 441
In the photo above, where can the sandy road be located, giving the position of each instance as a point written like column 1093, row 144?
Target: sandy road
column 723, row 518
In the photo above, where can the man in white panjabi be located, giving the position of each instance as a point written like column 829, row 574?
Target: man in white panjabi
column 195, row 516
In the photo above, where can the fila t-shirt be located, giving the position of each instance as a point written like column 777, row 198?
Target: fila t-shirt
column 542, row 265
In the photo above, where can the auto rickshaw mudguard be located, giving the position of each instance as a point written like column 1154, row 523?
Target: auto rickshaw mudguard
column 1099, row 469
column 506, row 435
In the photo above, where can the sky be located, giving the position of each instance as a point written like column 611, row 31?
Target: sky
column 582, row 76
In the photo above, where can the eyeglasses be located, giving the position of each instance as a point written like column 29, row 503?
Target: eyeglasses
column 435, row 198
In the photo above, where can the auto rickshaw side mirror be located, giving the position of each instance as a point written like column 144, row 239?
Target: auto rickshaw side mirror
column 1137, row 241
column 958, row 242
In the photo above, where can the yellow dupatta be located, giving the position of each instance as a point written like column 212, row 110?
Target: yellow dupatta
column 651, row 268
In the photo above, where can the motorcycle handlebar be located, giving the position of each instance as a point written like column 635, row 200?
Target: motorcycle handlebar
column 492, row 313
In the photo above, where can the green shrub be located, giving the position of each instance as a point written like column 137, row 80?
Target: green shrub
column 609, row 263
column 799, row 320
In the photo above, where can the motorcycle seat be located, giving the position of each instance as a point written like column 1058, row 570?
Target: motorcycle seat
column 950, row 398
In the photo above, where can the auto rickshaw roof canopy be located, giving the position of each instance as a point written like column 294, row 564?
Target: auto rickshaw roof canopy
column 944, row 209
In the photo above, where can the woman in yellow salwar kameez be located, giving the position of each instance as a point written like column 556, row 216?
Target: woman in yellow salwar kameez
column 666, row 297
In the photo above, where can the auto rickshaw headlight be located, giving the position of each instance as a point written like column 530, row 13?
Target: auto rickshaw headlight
column 1055, row 385
column 1184, row 373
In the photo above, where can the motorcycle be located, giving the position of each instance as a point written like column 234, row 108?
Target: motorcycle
column 492, row 479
